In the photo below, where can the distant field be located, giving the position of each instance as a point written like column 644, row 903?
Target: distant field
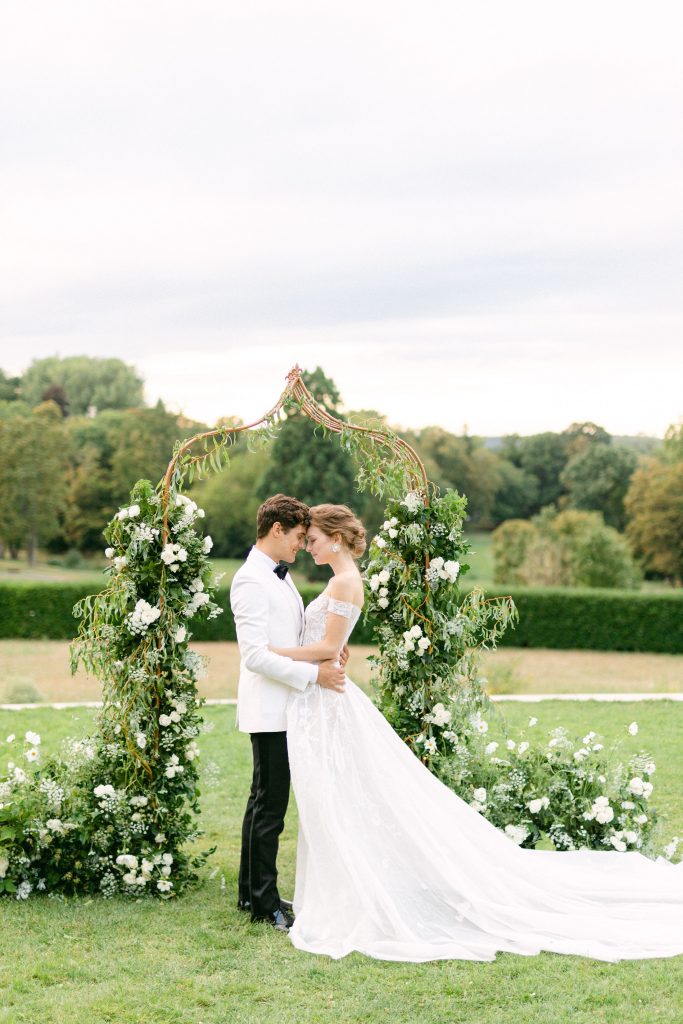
column 38, row 670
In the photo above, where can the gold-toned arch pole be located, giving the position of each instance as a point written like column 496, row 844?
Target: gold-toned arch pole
column 296, row 389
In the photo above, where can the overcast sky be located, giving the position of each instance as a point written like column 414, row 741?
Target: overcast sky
column 465, row 212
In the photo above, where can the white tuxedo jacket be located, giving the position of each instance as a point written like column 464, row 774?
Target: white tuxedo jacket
column 267, row 610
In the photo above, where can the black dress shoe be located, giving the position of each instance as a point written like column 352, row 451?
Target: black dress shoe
column 278, row 919
column 246, row 905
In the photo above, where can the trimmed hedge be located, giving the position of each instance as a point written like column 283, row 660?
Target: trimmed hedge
column 599, row 620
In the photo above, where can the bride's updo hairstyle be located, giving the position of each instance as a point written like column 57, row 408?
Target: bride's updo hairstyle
column 333, row 519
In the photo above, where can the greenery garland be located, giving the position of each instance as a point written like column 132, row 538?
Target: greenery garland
column 116, row 812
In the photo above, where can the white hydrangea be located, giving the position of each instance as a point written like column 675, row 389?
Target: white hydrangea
column 413, row 501
column 142, row 617
column 517, row 833
column 640, row 788
column 172, row 555
column 440, row 715
column 600, row 811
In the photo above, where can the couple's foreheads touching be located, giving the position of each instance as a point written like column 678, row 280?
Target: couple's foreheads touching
column 285, row 526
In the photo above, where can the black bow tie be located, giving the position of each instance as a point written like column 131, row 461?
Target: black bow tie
column 281, row 570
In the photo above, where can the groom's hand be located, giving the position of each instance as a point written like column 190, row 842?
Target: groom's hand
column 331, row 675
column 344, row 655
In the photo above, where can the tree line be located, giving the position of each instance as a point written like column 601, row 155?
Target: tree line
column 75, row 434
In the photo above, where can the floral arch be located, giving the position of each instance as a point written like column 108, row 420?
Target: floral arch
column 117, row 812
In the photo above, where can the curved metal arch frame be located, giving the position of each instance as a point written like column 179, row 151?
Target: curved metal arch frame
column 297, row 390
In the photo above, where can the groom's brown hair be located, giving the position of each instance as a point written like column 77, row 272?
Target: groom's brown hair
column 289, row 512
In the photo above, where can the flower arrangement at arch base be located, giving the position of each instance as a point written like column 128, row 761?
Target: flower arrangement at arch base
column 116, row 811
column 572, row 791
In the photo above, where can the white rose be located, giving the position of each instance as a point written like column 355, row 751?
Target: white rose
column 636, row 786
column 492, row 747
column 517, row 833
column 383, row 602
column 373, row 582
column 108, row 552
column 480, row 795
column 165, row 720
column 141, row 740
column 640, row 819
column 384, row 576
column 510, row 744
column 617, row 842
column 180, row 634
column 379, row 542
column 416, row 631
column 393, row 533
column 32, row 738
column 522, row 747
column 133, row 511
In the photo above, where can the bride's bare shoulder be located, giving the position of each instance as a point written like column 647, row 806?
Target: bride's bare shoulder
column 346, row 586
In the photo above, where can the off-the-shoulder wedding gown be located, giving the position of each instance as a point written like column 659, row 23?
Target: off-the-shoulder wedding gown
column 392, row 863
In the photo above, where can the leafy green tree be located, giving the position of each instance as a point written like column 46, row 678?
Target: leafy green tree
column 230, row 500
column 309, row 465
column 33, row 470
column 654, row 506
column 304, row 462
column 9, row 387
column 597, row 478
column 581, row 436
column 542, row 456
column 463, row 464
column 673, row 443
column 89, row 501
column 142, row 441
column 573, row 548
column 87, row 383
column 517, row 495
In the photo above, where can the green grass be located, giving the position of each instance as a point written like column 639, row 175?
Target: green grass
column 198, row 961
column 480, row 560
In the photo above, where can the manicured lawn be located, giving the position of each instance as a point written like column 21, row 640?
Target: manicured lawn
column 199, row 961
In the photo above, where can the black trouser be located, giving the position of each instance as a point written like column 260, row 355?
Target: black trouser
column 264, row 820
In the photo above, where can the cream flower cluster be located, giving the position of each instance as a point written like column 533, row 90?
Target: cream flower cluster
column 172, row 555
column 129, row 513
column 413, row 640
column 143, row 615
column 443, row 570
column 413, row 501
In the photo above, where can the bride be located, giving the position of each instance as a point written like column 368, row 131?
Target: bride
column 393, row 864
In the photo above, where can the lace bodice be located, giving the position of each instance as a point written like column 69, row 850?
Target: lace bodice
column 316, row 617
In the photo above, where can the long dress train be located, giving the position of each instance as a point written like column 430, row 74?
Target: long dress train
column 393, row 864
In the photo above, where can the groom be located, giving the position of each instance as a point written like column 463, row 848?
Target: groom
column 268, row 610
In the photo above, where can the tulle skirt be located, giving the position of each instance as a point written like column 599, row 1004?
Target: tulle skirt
column 391, row 863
